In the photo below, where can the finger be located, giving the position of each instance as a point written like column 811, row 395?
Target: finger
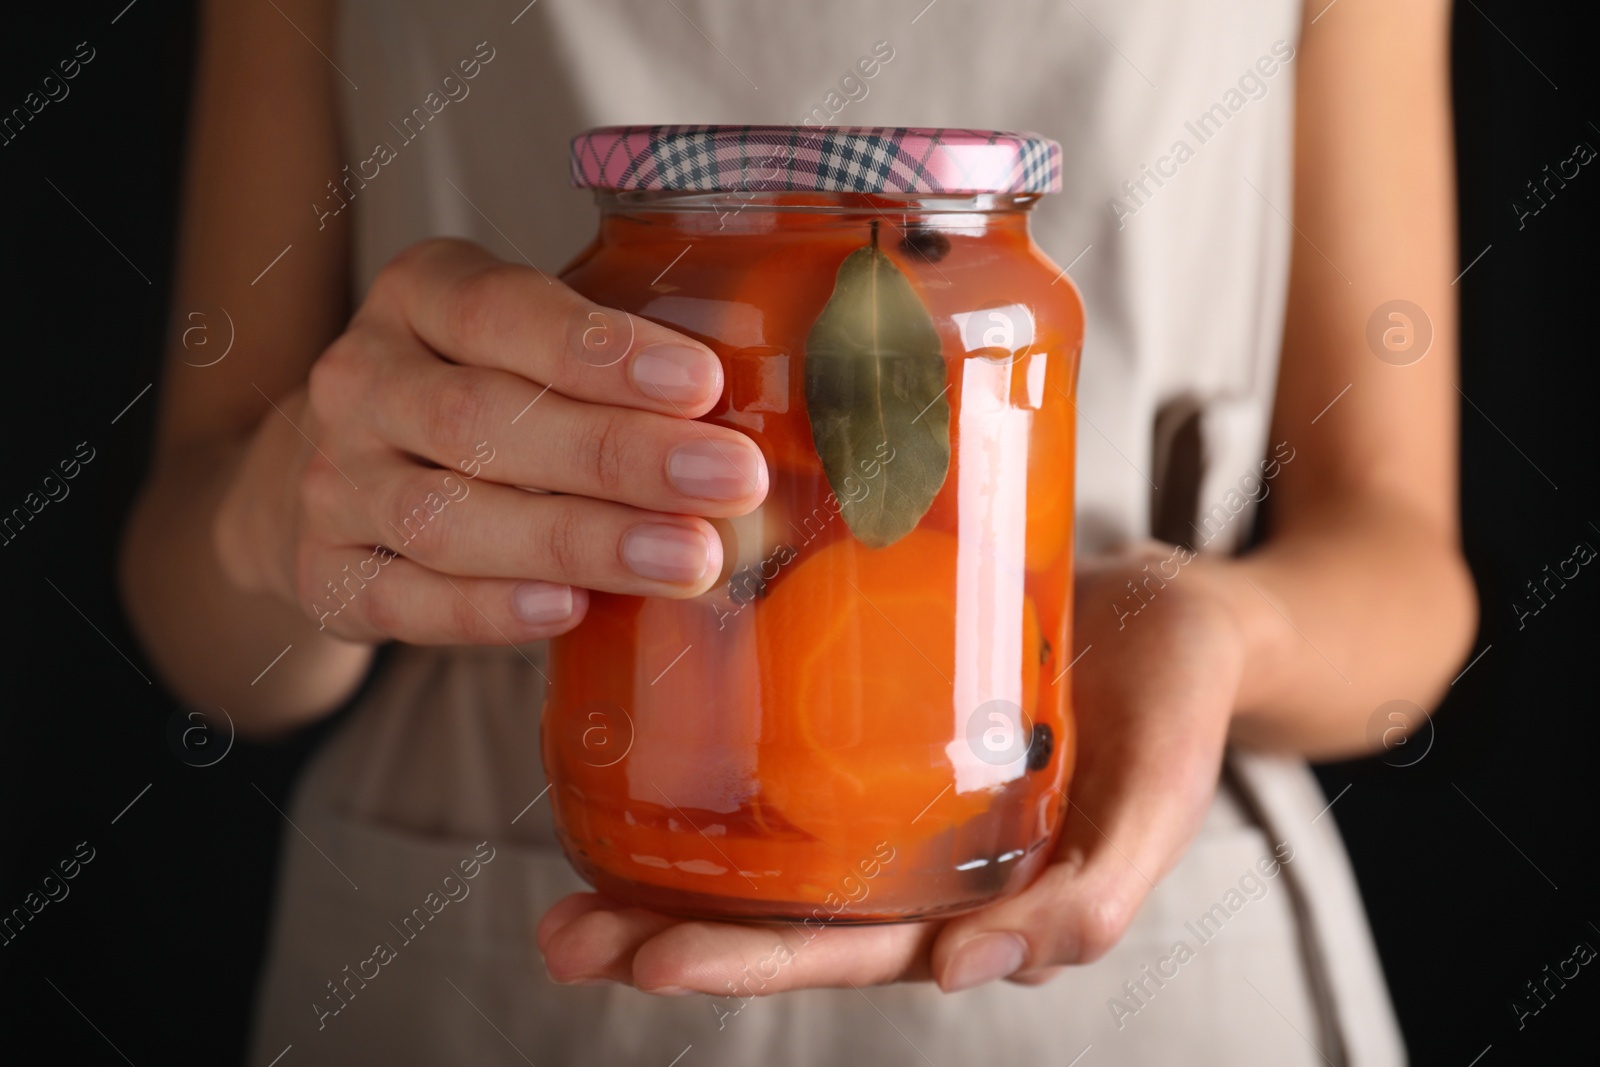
column 1036, row 977
column 1076, row 910
column 1104, row 867
column 658, row 953
column 511, row 430
column 373, row 595
column 564, row 911
column 476, row 309
column 600, row 943
column 720, row 958
column 470, row 528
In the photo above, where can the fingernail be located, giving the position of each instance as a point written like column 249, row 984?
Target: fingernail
column 675, row 372
column 540, row 602
column 669, row 991
column 666, row 553
column 711, row 471
column 580, row 981
column 985, row 958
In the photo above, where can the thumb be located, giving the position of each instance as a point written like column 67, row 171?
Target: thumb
column 1073, row 913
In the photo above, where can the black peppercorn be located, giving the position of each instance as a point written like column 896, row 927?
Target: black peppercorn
column 1040, row 745
column 747, row 584
column 927, row 244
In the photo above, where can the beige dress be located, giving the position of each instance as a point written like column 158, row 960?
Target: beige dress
column 404, row 925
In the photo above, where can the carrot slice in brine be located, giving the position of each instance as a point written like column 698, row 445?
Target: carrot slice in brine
column 857, row 652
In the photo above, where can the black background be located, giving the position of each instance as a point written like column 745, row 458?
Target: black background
column 157, row 945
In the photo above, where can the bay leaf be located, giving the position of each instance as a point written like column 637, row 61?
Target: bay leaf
column 876, row 395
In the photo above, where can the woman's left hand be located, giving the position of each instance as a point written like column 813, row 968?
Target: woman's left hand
column 1153, row 698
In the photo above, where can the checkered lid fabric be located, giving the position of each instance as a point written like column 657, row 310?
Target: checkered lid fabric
column 857, row 159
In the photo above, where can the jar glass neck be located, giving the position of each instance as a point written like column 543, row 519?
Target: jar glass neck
column 736, row 212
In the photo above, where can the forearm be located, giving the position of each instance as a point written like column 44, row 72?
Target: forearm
column 212, row 640
column 1359, row 594
column 1358, row 602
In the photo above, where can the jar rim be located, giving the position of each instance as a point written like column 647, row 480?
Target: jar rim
column 858, row 159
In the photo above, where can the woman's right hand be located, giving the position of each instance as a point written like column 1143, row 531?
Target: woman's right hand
column 388, row 500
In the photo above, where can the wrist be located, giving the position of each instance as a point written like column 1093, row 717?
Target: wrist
column 1260, row 629
column 251, row 520
column 1222, row 604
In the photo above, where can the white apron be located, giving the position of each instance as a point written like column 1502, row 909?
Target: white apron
column 384, row 950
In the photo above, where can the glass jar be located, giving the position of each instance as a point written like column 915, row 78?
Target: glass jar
column 866, row 718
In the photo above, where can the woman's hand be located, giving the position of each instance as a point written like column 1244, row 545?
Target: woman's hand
column 1153, row 699
column 388, row 501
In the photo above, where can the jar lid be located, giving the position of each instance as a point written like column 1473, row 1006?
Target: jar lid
column 856, row 159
